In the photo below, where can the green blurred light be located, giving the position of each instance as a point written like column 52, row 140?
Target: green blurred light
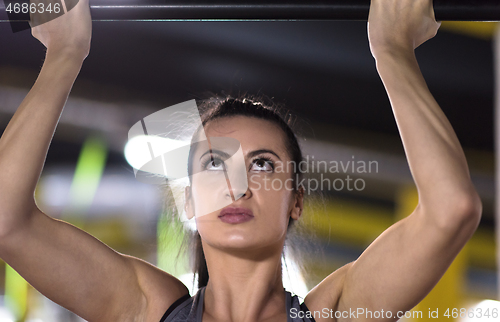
column 170, row 236
column 88, row 174
column 16, row 293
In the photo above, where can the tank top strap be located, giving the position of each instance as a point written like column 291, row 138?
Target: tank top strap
column 186, row 309
column 288, row 305
column 293, row 302
column 198, row 303
column 190, row 309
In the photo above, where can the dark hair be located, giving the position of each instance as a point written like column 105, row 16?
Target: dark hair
column 217, row 108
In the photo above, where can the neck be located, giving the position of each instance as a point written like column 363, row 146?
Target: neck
column 244, row 285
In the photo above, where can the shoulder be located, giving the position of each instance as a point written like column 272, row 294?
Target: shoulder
column 328, row 292
column 159, row 289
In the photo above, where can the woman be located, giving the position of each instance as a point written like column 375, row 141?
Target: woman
column 393, row 274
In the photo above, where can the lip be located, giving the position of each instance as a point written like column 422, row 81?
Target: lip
column 235, row 215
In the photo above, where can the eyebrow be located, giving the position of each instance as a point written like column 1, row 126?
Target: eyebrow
column 221, row 153
column 257, row 152
column 250, row 154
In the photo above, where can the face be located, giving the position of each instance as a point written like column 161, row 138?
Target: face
column 257, row 215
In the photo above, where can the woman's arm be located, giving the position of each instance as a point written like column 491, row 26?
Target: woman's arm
column 63, row 262
column 403, row 264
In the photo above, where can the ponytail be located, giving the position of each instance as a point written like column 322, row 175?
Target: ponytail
column 200, row 263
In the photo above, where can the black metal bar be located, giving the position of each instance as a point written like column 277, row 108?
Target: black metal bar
column 457, row 10
column 454, row 10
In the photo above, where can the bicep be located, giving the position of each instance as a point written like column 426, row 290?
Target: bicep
column 402, row 265
column 72, row 268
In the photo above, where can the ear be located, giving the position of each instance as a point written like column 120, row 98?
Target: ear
column 298, row 205
column 188, row 202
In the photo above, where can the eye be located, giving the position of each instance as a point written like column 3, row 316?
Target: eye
column 262, row 164
column 213, row 164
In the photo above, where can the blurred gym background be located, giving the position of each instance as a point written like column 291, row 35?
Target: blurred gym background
column 322, row 71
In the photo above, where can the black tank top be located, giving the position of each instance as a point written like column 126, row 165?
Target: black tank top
column 190, row 309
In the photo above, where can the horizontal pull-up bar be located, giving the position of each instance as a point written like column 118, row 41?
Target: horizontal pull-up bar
column 458, row 10
column 239, row 10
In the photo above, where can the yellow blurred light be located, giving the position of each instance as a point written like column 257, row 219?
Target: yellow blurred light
column 483, row 30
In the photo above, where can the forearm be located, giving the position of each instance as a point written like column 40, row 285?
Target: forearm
column 436, row 159
column 25, row 141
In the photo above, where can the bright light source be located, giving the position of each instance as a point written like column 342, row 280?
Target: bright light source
column 138, row 153
column 484, row 311
column 293, row 280
column 191, row 284
column 5, row 315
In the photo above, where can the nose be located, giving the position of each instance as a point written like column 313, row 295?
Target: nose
column 235, row 194
column 237, row 183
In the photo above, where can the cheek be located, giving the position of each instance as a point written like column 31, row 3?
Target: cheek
column 273, row 183
column 210, row 192
column 274, row 193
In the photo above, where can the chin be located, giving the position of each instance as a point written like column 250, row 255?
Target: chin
column 233, row 240
column 245, row 242
column 239, row 237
